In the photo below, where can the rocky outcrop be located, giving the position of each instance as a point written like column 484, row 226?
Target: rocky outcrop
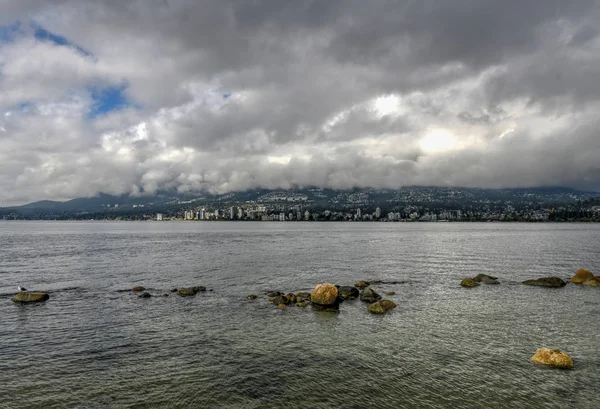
column 485, row 279
column 24, row 298
column 369, row 295
column 381, row 307
column 581, row 275
column 348, row 292
column 469, row 282
column 554, row 282
column 184, row 292
column 324, row 294
column 592, row 282
column 362, row 284
column 552, row 357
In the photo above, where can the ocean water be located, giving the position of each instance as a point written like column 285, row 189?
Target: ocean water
column 443, row 346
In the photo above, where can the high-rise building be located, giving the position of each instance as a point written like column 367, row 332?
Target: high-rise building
column 232, row 212
column 378, row 213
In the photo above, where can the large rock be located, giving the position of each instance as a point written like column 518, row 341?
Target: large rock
column 190, row 291
column 593, row 282
column 581, row 275
column 552, row 357
column 381, row 307
column 362, row 284
column 485, row 279
column 554, row 282
column 325, row 294
column 23, row 298
column 369, row 295
column 348, row 292
column 469, row 282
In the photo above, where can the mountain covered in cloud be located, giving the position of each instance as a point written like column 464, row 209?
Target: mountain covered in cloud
column 207, row 97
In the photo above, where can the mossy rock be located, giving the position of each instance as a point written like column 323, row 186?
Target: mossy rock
column 369, row 295
column 391, row 293
column 302, row 304
column 251, row 297
column 349, row 292
column 362, row 284
column 469, row 282
column 281, row 306
column 485, row 279
column 381, row 306
column 24, row 298
column 303, row 295
column 190, row 291
column 592, row 282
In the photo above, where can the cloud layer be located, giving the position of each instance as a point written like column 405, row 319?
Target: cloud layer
column 129, row 97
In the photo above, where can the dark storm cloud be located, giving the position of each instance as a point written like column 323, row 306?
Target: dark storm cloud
column 230, row 95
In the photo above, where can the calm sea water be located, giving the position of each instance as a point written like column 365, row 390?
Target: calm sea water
column 443, row 346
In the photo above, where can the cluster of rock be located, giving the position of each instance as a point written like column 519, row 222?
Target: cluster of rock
column 479, row 279
column 328, row 297
column 585, row 277
column 552, row 357
column 183, row 292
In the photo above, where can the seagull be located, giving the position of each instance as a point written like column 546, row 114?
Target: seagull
column 22, row 288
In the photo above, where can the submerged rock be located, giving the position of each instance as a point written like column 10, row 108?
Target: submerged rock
column 145, row 295
column 485, row 279
column 303, row 295
column 324, row 294
column 554, row 282
column 552, row 357
column 581, row 275
column 190, row 291
column 348, row 292
column 369, row 295
column 138, row 289
column 469, row 282
column 251, row 297
column 302, row 304
column 274, row 294
column 362, row 284
column 281, row 306
column 381, row 307
column 24, row 298
column 391, row 293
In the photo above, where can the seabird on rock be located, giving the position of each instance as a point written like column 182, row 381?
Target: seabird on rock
column 22, row 288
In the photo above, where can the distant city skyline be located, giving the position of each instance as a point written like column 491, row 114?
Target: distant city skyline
column 223, row 96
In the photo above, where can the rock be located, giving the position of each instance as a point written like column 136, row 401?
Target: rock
column 145, row 295
column 581, row 275
column 391, row 293
column 302, row 304
column 485, row 279
column 251, row 297
column 174, row 290
column 324, row 294
column 552, row 357
column 281, row 306
column 126, row 290
column 23, row 298
column 362, row 284
column 190, row 291
column 290, row 298
column 369, row 295
column 303, row 295
column 281, row 299
column 348, row 292
column 592, row 282
column 468, row 282
column 274, row 294
column 554, row 282
column 381, row 307
column 165, row 294
column 138, row 289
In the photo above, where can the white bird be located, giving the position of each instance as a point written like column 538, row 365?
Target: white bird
column 22, row 288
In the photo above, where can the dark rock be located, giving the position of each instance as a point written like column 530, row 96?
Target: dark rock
column 274, row 294
column 485, row 279
column 174, row 290
column 349, row 292
column 554, row 282
column 369, row 295
column 165, row 294
column 138, row 289
column 24, row 298
column 190, row 291
column 280, row 299
column 290, row 298
column 251, row 297
column 145, row 295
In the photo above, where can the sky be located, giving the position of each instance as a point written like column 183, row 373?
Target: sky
column 131, row 97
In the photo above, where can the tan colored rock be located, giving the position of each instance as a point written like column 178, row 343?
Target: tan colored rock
column 581, row 275
column 468, row 282
column 381, row 306
column 23, row 298
column 362, row 284
column 552, row 357
column 592, row 282
column 281, row 306
column 324, row 294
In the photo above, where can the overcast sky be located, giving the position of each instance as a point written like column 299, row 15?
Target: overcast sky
column 133, row 96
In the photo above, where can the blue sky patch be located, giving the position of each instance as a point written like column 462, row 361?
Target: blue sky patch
column 9, row 32
column 42, row 34
column 108, row 99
